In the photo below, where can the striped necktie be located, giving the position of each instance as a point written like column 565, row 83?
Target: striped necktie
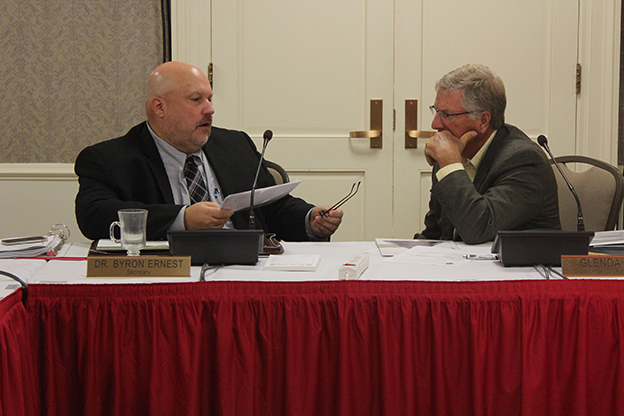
column 194, row 180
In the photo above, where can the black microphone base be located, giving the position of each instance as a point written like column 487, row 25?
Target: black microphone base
column 531, row 247
column 217, row 246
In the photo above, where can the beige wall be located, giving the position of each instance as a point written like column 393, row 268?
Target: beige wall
column 35, row 197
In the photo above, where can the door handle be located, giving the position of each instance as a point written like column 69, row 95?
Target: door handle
column 412, row 134
column 375, row 134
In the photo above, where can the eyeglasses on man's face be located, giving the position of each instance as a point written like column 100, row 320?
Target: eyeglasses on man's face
column 444, row 115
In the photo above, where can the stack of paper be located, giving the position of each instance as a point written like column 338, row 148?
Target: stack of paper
column 608, row 242
column 49, row 245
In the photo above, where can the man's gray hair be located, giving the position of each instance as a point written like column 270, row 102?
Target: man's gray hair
column 483, row 91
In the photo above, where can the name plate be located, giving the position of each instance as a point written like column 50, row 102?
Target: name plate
column 142, row 266
column 592, row 266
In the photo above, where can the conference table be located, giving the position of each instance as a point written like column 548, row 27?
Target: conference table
column 430, row 333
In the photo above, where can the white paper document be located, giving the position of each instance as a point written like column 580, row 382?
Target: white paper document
column 603, row 238
column 444, row 254
column 388, row 247
column 49, row 245
column 263, row 196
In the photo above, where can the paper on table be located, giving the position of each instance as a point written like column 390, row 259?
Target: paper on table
column 602, row 238
column 263, row 196
column 388, row 247
column 445, row 254
column 50, row 245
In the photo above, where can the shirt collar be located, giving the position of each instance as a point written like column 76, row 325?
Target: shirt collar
column 476, row 159
column 169, row 150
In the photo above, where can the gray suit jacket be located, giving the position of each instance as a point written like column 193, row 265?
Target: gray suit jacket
column 514, row 189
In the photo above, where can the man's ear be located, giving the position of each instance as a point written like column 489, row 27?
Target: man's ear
column 484, row 121
column 158, row 106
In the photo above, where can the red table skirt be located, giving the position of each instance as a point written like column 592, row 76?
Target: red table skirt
column 312, row 348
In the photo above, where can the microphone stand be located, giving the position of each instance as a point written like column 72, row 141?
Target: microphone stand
column 580, row 225
column 252, row 219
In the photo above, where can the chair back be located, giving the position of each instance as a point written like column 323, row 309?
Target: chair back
column 278, row 172
column 600, row 189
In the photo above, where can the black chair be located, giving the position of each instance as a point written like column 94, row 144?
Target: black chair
column 278, row 172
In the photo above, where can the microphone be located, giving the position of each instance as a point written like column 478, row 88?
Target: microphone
column 268, row 135
column 580, row 226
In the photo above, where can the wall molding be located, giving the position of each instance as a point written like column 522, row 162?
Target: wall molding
column 37, row 171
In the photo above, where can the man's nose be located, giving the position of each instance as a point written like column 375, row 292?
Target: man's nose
column 436, row 124
column 208, row 108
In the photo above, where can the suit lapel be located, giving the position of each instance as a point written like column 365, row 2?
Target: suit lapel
column 219, row 164
column 155, row 163
column 488, row 159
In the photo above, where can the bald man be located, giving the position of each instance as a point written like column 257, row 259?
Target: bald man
column 145, row 169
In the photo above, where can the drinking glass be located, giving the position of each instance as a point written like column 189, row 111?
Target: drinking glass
column 132, row 224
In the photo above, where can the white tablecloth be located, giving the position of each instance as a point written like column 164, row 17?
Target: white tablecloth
column 332, row 254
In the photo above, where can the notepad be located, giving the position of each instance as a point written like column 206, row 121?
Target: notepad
column 292, row 263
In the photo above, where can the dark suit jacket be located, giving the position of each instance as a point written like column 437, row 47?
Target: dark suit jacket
column 514, row 189
column 128, row 172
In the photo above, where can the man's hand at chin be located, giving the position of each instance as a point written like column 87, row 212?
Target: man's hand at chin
column 445, row 148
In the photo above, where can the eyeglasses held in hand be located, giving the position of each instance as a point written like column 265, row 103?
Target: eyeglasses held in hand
column 354, row 188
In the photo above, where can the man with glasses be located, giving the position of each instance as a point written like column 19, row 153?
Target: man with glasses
column 487, row 175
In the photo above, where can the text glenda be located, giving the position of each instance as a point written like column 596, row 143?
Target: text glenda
column 600, row 262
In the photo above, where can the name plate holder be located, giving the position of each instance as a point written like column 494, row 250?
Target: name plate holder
column 140, row 266
column 592, row 266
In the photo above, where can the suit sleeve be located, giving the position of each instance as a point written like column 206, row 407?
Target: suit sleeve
column 286, row 218
column 104, row 189
column 514, row 196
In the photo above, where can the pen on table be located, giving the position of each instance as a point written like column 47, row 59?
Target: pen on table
column 50, row 258
column 98, row 252
column 481, row 256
